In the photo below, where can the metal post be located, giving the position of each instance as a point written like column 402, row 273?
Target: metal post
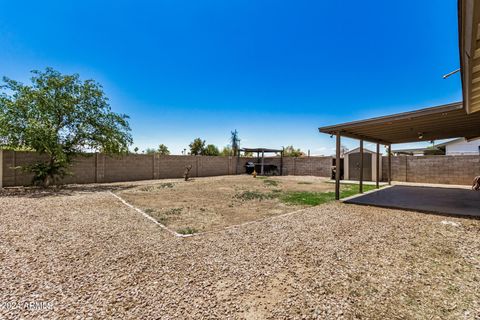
column 389, row 164
column 1, row 169
column 378, row 167
column 263, row 156
column 281, row 163
column 238, row 162
column 360, row 187
column 337, row 169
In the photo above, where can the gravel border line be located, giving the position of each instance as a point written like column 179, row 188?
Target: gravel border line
column 149, row 217
column 176, row 234
column 367, row 192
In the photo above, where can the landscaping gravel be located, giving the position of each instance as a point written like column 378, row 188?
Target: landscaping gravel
column 81, row 253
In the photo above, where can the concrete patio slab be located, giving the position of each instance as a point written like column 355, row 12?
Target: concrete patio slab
column 449, row 201
column 370, row 183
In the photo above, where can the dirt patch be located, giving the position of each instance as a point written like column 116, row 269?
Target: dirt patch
column 206, row 204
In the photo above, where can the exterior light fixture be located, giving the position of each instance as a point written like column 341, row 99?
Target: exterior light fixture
column 451, row 73
column 420, row 135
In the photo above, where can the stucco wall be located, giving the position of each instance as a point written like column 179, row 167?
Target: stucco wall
column 463, row 147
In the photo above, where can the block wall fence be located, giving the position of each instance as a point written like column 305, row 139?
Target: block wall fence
column 96, row 168
column 433, row 169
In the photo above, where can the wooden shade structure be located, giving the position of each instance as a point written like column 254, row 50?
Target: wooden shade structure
column 441, row 122
column 469, row 45
column 262, row 151
column 460, row 119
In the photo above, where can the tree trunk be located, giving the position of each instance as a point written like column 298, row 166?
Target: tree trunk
column 50, row 176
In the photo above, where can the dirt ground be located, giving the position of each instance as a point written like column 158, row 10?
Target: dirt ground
column 80, row 253
column 206, row 204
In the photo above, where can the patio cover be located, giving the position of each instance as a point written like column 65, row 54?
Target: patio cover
column 469, row 45
column 261, row 150
column 441, row 122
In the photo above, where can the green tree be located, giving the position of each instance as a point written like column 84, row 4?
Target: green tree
column 149, row 151
column 163, row 150
column 234, row 141
column 290, row 151
column 197, row 146
column 59, row 116
column 226, row 151
column 343, row 150
column 211, row 150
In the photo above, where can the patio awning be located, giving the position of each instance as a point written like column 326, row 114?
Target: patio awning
column 441, row 122
column 260, row 150
column 469, row 45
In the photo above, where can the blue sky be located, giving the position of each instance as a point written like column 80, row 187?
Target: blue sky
column 273, row 70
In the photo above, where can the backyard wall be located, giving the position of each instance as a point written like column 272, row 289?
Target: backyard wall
column 305, row 166
column 433, row 169
column 94, row 168
column 100, row 168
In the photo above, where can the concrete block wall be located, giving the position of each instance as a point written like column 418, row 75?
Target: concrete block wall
column 312, row 166
column 434, row 169
column 100, row 168
column 305, row 166
column 215, row 166
column 93, row 168
column 83, row 170
column 10, row 160
column 399, row 168
column 174, row 166
column 128, row 168
column 202, row 166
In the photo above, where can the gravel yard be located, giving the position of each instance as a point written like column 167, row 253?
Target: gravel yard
column 214, row 203
column 206, row 204
column 84, row 253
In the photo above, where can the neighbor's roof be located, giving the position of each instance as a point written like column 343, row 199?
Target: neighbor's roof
column 260, row 150
column 412, row 150
column 469, row 46
column 440, row 145
column 357, row 149
column 441, row 122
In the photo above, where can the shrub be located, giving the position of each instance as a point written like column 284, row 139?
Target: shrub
column 270, row 182
column 173, row 211
column 187, row 230
column 254, row 195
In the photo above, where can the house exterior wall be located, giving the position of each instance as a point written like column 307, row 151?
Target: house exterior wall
column 463, row 147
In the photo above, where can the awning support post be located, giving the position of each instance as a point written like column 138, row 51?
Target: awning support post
column 337, row 168
column 360, row 186
column 389, row 164
column 377, row 178
column 281, row 162
column 238, row 161
column 263, row 156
